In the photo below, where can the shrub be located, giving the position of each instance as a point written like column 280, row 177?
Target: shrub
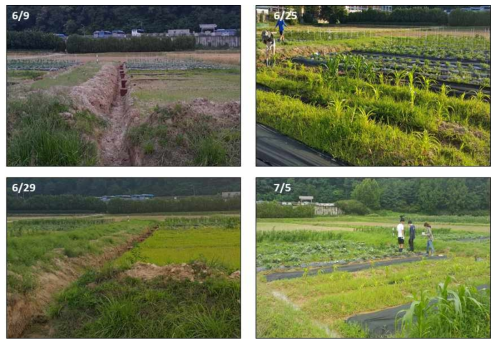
column 77, row 44
column 352, row 207
column 275, row 210
column 34, row 40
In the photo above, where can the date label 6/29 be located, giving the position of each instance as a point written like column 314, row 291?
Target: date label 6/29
column 23, row 188
column 282, row 187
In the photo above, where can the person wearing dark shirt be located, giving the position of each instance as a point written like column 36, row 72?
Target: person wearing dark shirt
column 412, row 236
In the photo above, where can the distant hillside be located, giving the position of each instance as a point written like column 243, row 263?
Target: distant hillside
column 87, row 19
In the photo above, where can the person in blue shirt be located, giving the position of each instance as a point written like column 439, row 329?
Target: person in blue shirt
column 281, row 25
column 412, row 236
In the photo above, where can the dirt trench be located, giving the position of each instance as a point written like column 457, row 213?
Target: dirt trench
column 107, row 95
column 26, row 313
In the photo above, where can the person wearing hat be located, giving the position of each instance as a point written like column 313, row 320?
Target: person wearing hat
column 401, row 234
column 430, row 238
column 412, row 235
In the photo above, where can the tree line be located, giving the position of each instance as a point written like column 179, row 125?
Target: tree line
column 432, row 15
column 410, row 195
column 34, row 40
column 52, row 204
column 80, row 45
column 84, row 20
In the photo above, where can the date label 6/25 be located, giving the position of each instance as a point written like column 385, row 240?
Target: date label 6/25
column 23, row 188
column 282, row 187
column 291, row 15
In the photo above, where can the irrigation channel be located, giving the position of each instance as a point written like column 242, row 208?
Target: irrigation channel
column 454, row 88
column 32, row 321
column 349, row 267
column 276, row 149
column 114, row 151
column 383, row 323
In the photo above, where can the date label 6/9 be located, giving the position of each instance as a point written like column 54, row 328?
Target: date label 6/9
column 23, row 15
column 23, row 188
column 282, row 187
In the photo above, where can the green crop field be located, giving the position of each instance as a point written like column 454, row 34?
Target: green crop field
column 381, row 97
column 209, row 244
column 317, row 302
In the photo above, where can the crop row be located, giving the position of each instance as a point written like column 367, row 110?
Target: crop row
column 367, row 123
column 442, row 47
column 172, row 64
column 39, row 64
column 458, row 72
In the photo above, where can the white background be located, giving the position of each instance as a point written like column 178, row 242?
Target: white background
column 248, row 172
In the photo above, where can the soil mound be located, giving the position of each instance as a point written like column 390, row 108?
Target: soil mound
column 98, row 93
column 176, row 124
column 193, row 272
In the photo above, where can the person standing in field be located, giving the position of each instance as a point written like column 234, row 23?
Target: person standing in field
column 401, row 234
column 430, row 238
column 412, row 236
column 281, row 26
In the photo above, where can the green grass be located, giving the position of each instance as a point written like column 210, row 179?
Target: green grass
column 38, row 135
column 213, row 245
column 331, row 298
column 39, row 246
column 73, row 77
column 105, row 305
column 108, row 304
column 177, row 86
column 276, row 319
column 23, row 75
column 179, row 135
column 370, row 124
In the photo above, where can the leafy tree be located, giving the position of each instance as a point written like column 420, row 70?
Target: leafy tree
column 333, row 14
column 368, row 193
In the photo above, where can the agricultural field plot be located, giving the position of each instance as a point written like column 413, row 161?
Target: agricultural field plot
column 380, row 97
column 104, row 278
column 354, row 223
column 88, row 119
column 344, row 275
column 46, row 255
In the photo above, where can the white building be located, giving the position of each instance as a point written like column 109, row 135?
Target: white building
column 361, row 8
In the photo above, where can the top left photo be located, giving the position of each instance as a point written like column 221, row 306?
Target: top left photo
column 123, row 85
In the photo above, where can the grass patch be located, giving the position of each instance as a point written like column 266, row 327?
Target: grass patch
column 38, row 135
column 114, row 307
column 23, row 75
column 182, row 135
column 73, row 77
column 39, row 245
column 184, row 86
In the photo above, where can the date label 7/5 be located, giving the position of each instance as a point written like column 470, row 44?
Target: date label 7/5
column 282, row 187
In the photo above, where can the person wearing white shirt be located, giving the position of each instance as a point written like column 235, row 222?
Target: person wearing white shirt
column 401, row 234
